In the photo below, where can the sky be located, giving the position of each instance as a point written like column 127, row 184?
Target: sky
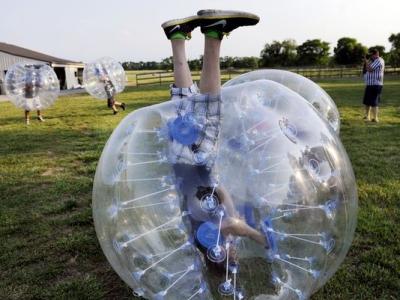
column 130, row 30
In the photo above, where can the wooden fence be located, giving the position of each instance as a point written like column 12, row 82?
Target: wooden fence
column 159, row 78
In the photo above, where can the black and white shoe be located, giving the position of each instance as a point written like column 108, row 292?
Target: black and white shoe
column 185, row 26
column 225, row 21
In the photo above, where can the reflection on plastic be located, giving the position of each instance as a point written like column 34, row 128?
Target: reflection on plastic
column 32, row 86
column 104, row 77
column 273, row 216
column 306, row 88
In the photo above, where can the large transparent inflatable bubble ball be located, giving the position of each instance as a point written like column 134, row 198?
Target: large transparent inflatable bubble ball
column 104, row 77
column 32, row 86
column 268, row 212
column 305, row 87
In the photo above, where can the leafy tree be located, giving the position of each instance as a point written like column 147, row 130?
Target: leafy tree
column 382, row 51
column 380, row 48
column 194, row 64
column 395, row 40
column 166, row 63
column 126, row 65
column 247, row 62
column 226, row 62
column 394, row 54
column 151, row 65
column 348, row 51
column 279, row 54
column 394, row 58
column 313, row 52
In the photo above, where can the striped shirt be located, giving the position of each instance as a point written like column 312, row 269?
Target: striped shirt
column 375, row 76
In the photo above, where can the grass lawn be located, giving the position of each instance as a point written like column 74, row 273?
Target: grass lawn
column 48, row 246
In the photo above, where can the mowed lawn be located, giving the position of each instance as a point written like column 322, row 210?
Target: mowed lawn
column 48, row 246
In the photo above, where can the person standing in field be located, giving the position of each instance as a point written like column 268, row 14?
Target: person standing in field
column 373, row 77
column 31, row 88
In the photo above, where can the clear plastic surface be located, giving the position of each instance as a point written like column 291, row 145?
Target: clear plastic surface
column 306, row 88
column 32, row 86
column 104, row 77
column 272, row 217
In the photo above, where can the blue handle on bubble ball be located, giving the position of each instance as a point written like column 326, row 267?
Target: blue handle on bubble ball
column 184, row 129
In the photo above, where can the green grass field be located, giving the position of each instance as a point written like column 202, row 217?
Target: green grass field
column 48, row 246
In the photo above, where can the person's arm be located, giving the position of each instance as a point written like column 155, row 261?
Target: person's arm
column 373, row 65
column 364, row 68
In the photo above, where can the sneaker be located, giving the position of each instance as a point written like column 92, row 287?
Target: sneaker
column 123, row 106
column 185, row 26
column 40, row 118
column 375, row 120
column 115, row 112
column 225, row 21
column 366, row 118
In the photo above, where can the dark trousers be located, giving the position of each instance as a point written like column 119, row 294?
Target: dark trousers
column 372, row 95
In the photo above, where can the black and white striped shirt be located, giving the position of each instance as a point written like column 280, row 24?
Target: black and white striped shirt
column 375, row 76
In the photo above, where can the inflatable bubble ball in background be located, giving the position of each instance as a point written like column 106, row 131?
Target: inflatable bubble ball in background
column 104, row 77
column 32, row 86
column 270, row 213
column 306, row 88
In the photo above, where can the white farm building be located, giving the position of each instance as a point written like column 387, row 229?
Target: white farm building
column 69, row 73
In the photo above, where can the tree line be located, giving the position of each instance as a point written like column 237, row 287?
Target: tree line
column 287, row 53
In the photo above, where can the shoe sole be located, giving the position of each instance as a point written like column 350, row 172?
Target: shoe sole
column 179, row 21
column 210, row 14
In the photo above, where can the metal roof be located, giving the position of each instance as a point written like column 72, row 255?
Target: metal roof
column 23, row 52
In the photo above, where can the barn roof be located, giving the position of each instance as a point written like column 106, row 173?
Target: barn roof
column 23, row 52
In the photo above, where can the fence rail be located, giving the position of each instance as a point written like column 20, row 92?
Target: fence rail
column 160, row 78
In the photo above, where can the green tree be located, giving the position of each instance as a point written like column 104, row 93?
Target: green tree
column 279, row 54
column 394, row 54
column 226, row 62
column 313, row 52
column 247, row 62
column 395, row 40
column 194, row 64
column 166, row 63
column 127, row 65
column 349, row 52
column 380, row 48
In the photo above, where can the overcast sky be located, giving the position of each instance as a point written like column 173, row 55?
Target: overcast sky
column 84, row 30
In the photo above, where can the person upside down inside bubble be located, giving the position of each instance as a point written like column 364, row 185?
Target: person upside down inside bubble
column 194, row 132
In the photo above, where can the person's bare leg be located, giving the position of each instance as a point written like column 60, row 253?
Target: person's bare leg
column 178, row 31
column 120, row 104
column 374, row 112
column 367, row 112
column 210, row 81
column 183, row 77
column 239, row 227
column 233, row 224
column 27, row 116
column 39, row 116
